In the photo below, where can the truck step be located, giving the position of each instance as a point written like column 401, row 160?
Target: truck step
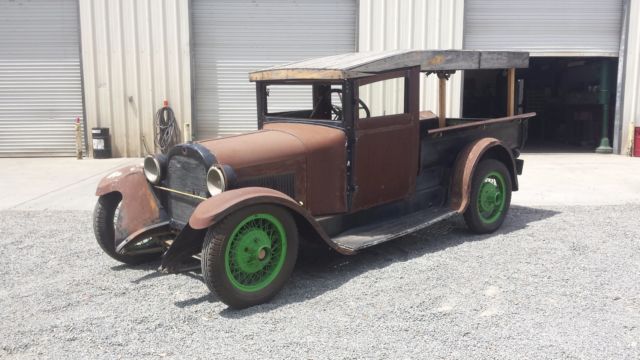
column 373, row 234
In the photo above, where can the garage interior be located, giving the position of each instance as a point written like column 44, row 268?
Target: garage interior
column 574, row 98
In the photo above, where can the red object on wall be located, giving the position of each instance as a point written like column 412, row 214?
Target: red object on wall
column 636, row 143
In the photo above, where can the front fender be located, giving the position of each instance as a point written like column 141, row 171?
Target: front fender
column 211, row 211
column 466, row 164
column 216, row 208
column 140, row 209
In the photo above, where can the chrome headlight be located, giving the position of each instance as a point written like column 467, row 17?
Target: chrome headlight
column 216, row 180
column 153, row 169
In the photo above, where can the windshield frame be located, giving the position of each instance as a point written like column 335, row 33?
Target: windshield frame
column 265, row 117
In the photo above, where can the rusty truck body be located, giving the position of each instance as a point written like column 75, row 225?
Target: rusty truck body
column 339, row 172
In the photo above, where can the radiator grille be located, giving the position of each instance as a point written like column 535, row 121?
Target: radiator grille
column 285, row 183
column 187, row 175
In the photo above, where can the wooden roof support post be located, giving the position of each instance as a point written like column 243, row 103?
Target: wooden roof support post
column 442, row 98
column 511, row 91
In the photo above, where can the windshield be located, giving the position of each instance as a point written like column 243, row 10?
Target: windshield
column 304, row 102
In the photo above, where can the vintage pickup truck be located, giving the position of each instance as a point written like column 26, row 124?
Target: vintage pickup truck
column 341, row 172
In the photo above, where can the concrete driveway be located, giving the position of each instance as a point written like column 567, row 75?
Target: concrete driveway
column 53, row 183
column 548, row 179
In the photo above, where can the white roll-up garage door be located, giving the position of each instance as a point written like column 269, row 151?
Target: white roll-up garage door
column 544, row 27
column 234, row 37
column 40, row 77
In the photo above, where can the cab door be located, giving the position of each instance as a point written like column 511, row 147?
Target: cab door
column 387, row 140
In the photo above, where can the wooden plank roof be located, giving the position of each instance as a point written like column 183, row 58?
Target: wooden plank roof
column 361, row 64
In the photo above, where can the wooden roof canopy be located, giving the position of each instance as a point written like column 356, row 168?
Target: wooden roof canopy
column 360, row 64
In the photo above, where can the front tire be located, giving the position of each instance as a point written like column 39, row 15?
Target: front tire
column 248, row 257
column 490, row 197
column 104, row 215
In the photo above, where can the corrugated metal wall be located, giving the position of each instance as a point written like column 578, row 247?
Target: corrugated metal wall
column 234, row 37
column 40, row 81
column 544, row 27
column 631, row 102
column 135, row 54
column 414, row 24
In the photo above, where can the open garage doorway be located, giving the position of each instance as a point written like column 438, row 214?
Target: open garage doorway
column 573, row 97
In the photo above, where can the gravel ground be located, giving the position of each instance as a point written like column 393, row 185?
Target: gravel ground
column 558, row 282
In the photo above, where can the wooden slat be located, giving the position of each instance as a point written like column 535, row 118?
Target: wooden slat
column 511, row 92
column 481, row 123
column 442, row 102
column 366, row 63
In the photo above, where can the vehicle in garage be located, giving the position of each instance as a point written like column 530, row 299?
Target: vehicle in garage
column 341, row 173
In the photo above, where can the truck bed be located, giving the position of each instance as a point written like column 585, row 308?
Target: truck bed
column 440, row 146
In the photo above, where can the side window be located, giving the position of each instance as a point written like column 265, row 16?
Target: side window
column 385, row 97
column 285, row 98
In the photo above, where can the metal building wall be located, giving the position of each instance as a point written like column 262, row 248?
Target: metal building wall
column 414, row 24
column 631, row 100
column 234, row 37
column 40, row 81
column 135, row 54
column 544, row 27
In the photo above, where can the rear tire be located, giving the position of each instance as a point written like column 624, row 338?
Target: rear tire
column 249, row 256
column 103, row 218
column 490, row 197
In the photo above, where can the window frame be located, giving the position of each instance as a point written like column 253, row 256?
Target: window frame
column 265, row 117
column 385, row 120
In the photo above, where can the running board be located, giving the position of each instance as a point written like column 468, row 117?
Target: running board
column 369, row 235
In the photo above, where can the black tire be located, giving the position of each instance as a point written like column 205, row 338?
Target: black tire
column 215, row 245
column 103, row 216
column 474, row 218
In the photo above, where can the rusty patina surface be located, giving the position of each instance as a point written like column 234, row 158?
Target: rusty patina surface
column 386, row 154
column 315, row 155
column 465, row 166
column 139, row 209
column 326, row 150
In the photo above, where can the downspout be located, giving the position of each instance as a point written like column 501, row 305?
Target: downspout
column 605, row 147
column 622, row 54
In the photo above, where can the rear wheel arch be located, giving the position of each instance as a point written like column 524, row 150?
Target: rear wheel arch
column 501, row 153
column 466, row 164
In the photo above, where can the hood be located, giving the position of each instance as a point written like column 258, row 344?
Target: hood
column 313, row 155
column 255, row 148
column 277, row 142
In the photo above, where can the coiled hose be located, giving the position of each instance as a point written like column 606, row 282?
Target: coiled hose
column 166, row 129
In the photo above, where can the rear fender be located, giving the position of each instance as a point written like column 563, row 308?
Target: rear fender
column 465, row 166
column 140, row 211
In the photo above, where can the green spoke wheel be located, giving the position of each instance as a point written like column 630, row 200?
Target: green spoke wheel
column 255, row 252
column 490, row 197
column 247, row 257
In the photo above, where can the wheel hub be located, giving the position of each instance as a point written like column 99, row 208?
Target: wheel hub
column 255, row 248
column 491, row 198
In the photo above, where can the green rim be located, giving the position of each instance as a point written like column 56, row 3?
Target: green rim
column 491, row 197
column 255, row 252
